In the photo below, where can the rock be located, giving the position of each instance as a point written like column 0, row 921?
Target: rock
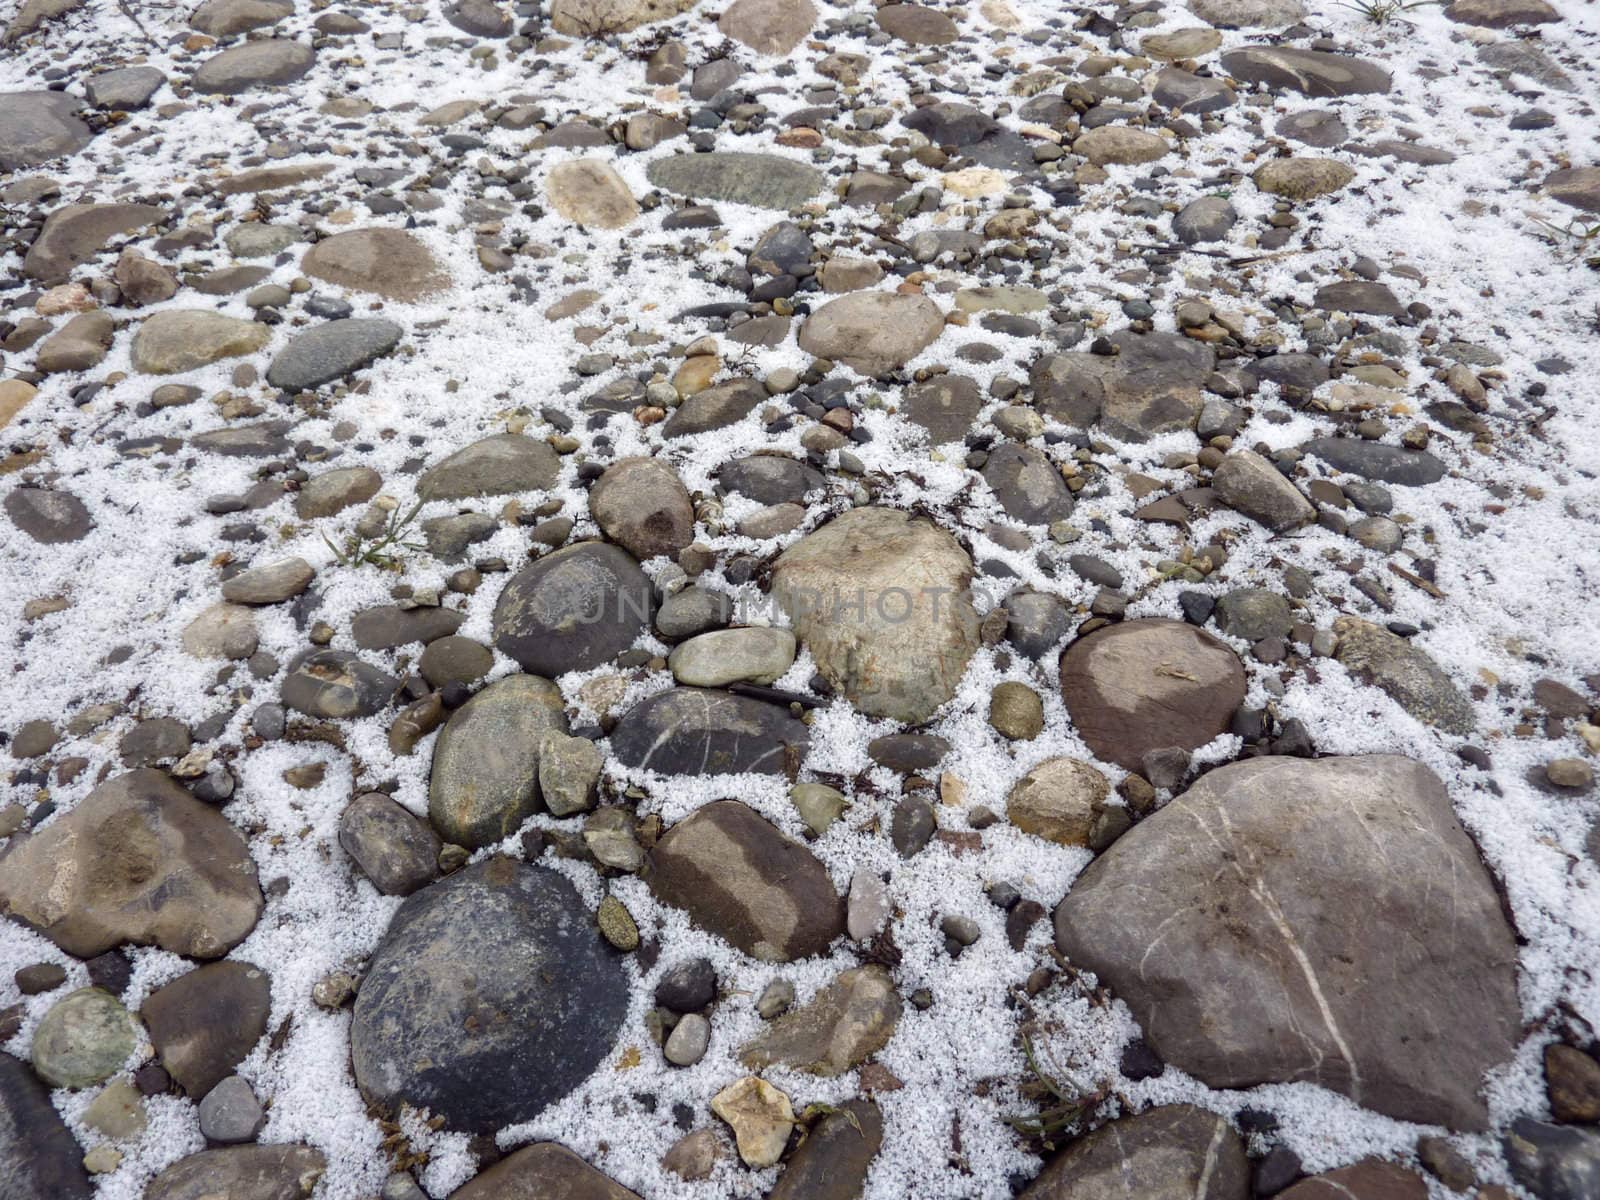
column 1027, row 484
column 1192, row 41
column 496, row 466
column 760, row 1117
column 143, row 281
column 225, row 18
column 225, row 631
column 832, row 1162
column 257, row 239
column 761, row 180
column 398, row 852
column 38, row 1155
column 1554, row 1162
column 1016, row 711
column 75, row 233
column 770, row 478
column 572, row 610
column 331, row 351
column 244, row 441
column 267, row 63
column 453, row 659
column 1377, row 461
column 1578, row 187
column 33, row 14
column 548, row 995
column 390, row 263
column 36, row 127
column 79, row 345
column 693, row 731
column 847, row 1022
column 587, row 191
column 543, row 1169
column 1035, row 623
column 1370, row 1179
column 205, row 1023
column 727, row 656
column 1207, row 219
column 1248, row 483
column 270, row 583
column 1151, row 386
column 336, row 684
column 688, row 1041
column 912, row 826
column 137, row 860
column 1572, row 1081
column 85, row 1038
column 1247, row 14
column 1302, row 178
column 1149, row 684
column 872, row 332
column 768, row 26
column 241, row 1173
column 230, row 1112
column 1060, row 800
column 688, row 986
column 485, row 779
column 819, row 805
column 640, row 504
column 569, row 772
column 917, row 25
column 1253, row 614
column 1359, row 296
column 592, row 18
column 714, row 408
column 1276, row 924
column 1171, row 1151
column 49, row 517
column 481, row 18
column 1309, row 72
column 1107, row 144
column 1501, row 14
column 14, row 397
column 694, row 1156
column 738, row 877
column 946, row 406
column 1406, row 672
column 879, row 599
column 334, row 491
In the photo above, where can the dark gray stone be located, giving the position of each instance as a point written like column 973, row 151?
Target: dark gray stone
column 1207, row 219
column 1309, row 72
column 574, row 609
column 331, row 351
column 1027, row 484
column 714, row 408
column 336, row 683
column 1554, row 1162
column 762, row 180
column 205, row 1023
column 38, row 1155
column 770, row 478
column 36, row 127
column 698, row 731
column 397, row 851
column 1163, row 1152
column 48, row 517
column 241, row 1173
column 127, row 88
column 1376, row 460
column 945, row 406
column 494, row 466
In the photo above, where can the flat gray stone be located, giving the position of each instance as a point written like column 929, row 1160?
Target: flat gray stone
column 331, row 351
column 267, row 63
column 574, row 609
column 762, row 180
column 696, row 731
column 1406, row 672
column 495, row 466
column 36, row 127
column 1309, row 72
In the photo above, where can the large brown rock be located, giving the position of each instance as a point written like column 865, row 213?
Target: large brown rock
column 845, row 1024
column 1323, row 920
column 596, row 18
column 180, row 339
column 543, row 1171
column 1149, row 685
column 390, row 263
column 1369, row 1179
column 880, row 599
column 241, row 1173
column 872, row 332
column 1170, row 1153
column 137, row 860
column 75, row 233
column 641, row 504
column 203, row 1024
column 768, row 26
column 738, row 877
column 832, row 1162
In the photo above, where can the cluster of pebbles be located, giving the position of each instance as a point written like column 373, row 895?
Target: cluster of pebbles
column 630, row 598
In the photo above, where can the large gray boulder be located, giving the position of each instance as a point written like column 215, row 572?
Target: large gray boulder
column 36, row 127
column 74, row 233
column 1323, row 920
column 491, row 995
column 701, row 731
column 267, row 63
column 880, row 599
column 241, row 1173
column 1171, row 1153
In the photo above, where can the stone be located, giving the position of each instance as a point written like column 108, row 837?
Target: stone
column 241, row 1173
column 832, row 1162
column 137, row 860
column 1112, row 144
column 75, row 233
column 1207, row 219
column 737, row 177
column 768, row 26
column 1035, row 622
column 143, row 281
column 1192, row 41
column 1060, row 800
column 79, row 345
column 688, row 1041
column 1188, row 93
column 495, row 466
column 230, row 1112
column 1369, row 1179
column 454, row 659
column 34, row 14
column 716, row 407
column 205, row 1023
column 693, row 1156
column 268, row 63
column 818, row 804
column 727, row 656
column 225, row 18
column 588, row 191
column 1377, row 460
column 1266, row 897
column 336, row 684
column 1248, row 14
column 770, row 478
column 50, row 517
column 226, row 631
column 1248, row 483
column 697, row 731
column 1501, row 14
column 390, row 263
column 846, row 1023
column 574, row 609
column 569, row 773
column 481, row 18
column 85, row 1038
column 1359, row 296
column 1405, row 672
column 1302, row 178
column 946, row 406
column 36, row 127
column 872, row 332
column 548, row 993
column 1253, row 614
column 1171, row 1151
column 1309, row 72
column 397, row 851
column 916, row 24
column 1016, row 711
column 485, row 778
column 1149, row 684
column 1572, row 1081
column 1151, row 386
column 1027, row 484
column 270, row 583
column 39, row 1157
column 332, row 350
column 879, row 599
column 118, row 1111
column 760, row 1117
column 1554, row 1162
column 640, row 504
column 1578, row 187
column 544, row 1169
column 14, row 397
column 739, row 878
column 593, row 18
column 334, row 491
